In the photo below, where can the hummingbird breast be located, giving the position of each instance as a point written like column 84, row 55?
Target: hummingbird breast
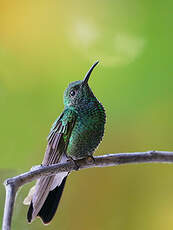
column 88, row 130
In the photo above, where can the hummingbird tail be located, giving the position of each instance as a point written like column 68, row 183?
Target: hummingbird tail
column 50, row 205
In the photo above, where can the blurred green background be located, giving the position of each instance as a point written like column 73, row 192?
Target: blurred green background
column 44, row 45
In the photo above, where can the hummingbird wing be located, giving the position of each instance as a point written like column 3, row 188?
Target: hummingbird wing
column 49, row 186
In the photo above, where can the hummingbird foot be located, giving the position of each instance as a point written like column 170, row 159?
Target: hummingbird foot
column 90, row 159
column 74, row 162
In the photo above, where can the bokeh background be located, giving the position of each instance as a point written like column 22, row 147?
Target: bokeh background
column 46, row 44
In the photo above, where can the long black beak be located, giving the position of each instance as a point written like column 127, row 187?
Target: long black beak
column 87, row 76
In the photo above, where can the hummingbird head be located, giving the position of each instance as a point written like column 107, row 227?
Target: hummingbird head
column 79, row 92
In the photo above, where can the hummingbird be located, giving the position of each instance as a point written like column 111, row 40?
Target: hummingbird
column 75, row 134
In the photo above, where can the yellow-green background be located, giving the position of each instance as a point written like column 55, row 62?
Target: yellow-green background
column 46, row 44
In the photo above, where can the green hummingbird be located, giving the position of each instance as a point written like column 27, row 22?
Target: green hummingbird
column 75, row 134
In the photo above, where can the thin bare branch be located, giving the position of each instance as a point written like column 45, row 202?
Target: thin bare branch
column 9, row 205
column 12, row 184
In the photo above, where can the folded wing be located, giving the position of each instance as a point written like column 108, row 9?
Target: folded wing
column 49, row 186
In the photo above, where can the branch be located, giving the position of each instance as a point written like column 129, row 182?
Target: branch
column 12, row 184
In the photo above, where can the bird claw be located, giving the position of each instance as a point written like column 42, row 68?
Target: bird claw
column 91, row 159
column 75, row 163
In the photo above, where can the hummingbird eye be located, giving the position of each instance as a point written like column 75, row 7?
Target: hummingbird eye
column 72, row 93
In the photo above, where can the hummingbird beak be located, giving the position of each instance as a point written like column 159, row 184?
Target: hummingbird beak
column 87, row 76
